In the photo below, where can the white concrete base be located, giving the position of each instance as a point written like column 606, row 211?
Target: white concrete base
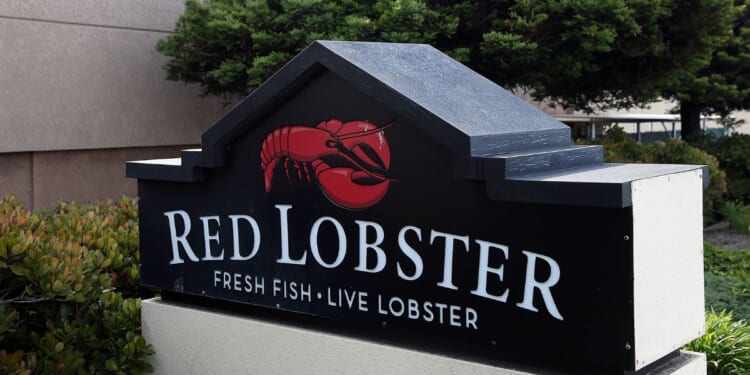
column 196, row 341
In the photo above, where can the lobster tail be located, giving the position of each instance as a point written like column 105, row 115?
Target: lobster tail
column 300, row 144
column 268, row 174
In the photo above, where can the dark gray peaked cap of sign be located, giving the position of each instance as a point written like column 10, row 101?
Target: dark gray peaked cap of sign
column 460, row 108
column 462, row 104
column 522, row 153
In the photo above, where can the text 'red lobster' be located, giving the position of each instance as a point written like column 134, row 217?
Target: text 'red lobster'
column 350, row 160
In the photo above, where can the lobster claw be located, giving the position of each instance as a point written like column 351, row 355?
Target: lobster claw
column 339, row 187
column 350, row 160
column 364, row 157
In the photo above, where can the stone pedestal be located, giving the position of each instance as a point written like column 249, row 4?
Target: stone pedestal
column 191, row 340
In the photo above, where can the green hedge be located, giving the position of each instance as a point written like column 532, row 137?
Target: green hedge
column 68, row 290
column 733, row 154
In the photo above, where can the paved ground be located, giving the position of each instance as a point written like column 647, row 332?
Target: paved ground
column 723, row 236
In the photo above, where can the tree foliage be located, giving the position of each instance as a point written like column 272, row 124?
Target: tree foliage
column 609, row 53
column 733, row 154
column 579, row 53
column 230, row 47
column 723, row 84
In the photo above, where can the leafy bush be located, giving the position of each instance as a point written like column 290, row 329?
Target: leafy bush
column 726, row 344
column 733, row 154
column 68, row 289
column 738, row 216
column 619, row 147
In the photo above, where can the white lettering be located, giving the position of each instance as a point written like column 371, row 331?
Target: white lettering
column 260, row 285
column 399, row 309
column 284, row 225
column 227, row 279
column 448, row 259
column 544, row 287
column 314, row 242
column 484, row 269
column 413, row 309
column 236, row 236
column 217, row 277
column 410, row 253
column 180, row 239
column 471, row 318
column 364, row 246
column 208, row 237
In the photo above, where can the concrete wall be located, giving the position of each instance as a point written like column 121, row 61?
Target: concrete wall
column 16, row 176
column 84, row 75
column 40, row 179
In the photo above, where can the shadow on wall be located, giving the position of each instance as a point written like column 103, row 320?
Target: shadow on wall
column 40, row 179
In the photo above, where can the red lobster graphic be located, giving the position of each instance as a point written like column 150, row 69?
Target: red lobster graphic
column 350, row 160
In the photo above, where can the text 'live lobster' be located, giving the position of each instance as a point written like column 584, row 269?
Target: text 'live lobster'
column 349, row 160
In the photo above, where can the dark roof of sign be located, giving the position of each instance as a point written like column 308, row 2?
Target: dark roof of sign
column 493, row 135
column 465, row 111
column 444, row 87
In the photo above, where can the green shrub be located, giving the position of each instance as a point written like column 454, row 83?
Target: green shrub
column 738, row 216
column 619, row 147
column 726, row 344
column 68, row 289
column 733, row 154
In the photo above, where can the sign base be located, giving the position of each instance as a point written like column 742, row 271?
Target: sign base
column 190, row 340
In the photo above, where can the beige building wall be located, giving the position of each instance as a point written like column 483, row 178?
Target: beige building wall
column 84, row 75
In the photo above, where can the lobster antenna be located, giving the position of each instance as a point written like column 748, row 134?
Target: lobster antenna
column 366, row 132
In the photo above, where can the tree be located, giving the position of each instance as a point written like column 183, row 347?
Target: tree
column 614, row 53
column 231, row 46
column 723, row 85
column 581, row 54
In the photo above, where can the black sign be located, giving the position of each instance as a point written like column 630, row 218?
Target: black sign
column 318, row 196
